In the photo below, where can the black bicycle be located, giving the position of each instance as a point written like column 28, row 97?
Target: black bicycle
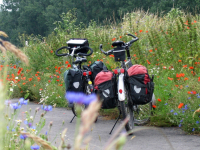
column 139, row 112
column 78, row 78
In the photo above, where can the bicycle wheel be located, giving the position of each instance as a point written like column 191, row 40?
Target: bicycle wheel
column 127, row 110
column 142, row 113
column 87, row 91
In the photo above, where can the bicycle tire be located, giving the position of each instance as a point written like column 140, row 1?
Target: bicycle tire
column 142, row 113
column 127, row 110
column 83, row 107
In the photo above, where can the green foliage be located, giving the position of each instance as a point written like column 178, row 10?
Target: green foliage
column 169, row 49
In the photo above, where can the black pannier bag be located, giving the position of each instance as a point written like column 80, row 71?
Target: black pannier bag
column 73, row 80
column 96, row 67
column 105, row 85
column 78, row 43
column 141, row 85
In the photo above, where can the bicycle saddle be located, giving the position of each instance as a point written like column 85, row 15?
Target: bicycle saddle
column 118, row 43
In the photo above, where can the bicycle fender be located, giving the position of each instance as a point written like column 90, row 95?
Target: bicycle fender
column 121, row 89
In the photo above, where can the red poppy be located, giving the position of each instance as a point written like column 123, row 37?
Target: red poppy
column 159, row 100
column 66, row 62
column 191, row 67
column 195, row 21
column 36, row 75
column 68, row 65
column 148, row 62
column 179, row 60
column 170, row 78
column 185, row 79
column 154, row 106
column 120, row 36
column 49, row 81
column 184, row 66
column 51, row 51
column 113, row 39
column 150, row 50
column 147, row 31
column 141, row 31
column 180, row 105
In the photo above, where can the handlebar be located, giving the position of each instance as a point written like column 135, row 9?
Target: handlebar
column 106, row 53
column 59, row 55
column 84, row 54
column 128, row 44
column 134, row 40
column 79, row 54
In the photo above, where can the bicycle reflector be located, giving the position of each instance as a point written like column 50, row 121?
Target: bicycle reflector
column 84, row 73
column 115, row 71
column 120, row 91
column 90, row 72
column 122, row 70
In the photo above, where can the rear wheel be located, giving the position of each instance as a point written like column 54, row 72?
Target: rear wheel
column 142, row 113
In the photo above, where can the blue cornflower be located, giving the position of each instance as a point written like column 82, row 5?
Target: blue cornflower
column 180, row 125
column 7, row 127
column 186, row 107
column 165, row 103
column 47, row 108
column 23, row 137
column 189, row 97
column 198, row 96
column 183, row 111
column 197, row 122
column 186, row 86
column 22, row 101
column 172, row 110
column 181, row 120
column 193, row 129
column 46, row 133
column 175, row 114
column 80, row 98
column 15, row 106
column 28, row 123
column 34, row 147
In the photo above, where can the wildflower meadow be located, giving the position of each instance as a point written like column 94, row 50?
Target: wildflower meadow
column 168, row 46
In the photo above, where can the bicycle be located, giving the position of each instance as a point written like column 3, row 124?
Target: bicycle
column 139, row 114
column 78, row 49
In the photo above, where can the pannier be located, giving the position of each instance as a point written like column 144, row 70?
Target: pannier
column 105, row 85
column 141, row 85
column 78, row 43
column 73, row 80
column 96, row 67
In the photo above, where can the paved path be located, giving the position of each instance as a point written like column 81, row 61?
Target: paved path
column 149, row 139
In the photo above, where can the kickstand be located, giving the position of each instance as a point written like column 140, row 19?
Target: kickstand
column 115, row 124
column 117, row 119
column 72, row 118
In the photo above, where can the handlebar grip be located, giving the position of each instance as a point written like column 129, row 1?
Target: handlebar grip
column 100, row 47
column 61, row 49
column 84, row 54
column 136, row 38
column 106, row 53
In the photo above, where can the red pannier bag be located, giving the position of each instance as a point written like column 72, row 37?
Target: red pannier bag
column 141, row 85
column 105, row 85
